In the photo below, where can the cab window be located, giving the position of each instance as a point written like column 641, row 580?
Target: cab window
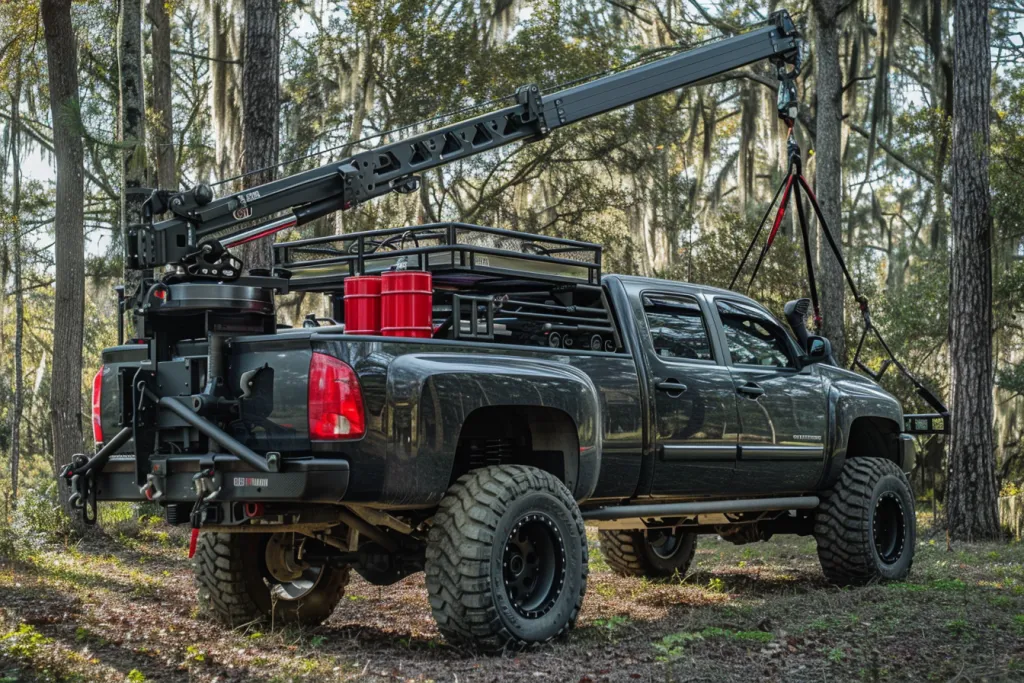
column 677, row 327
column 753, row 338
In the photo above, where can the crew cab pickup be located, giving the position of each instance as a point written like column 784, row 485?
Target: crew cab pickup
column 537, row 403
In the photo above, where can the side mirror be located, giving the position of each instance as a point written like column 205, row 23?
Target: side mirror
column 819, row 350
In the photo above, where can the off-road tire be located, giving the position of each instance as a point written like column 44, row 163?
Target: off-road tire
column 467, row 557
column 869, row 492
column 230, row 576
column 630, row 553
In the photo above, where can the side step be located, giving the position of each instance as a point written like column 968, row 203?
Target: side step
column 702, row 507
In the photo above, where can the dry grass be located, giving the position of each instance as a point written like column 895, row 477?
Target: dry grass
column 124, row 610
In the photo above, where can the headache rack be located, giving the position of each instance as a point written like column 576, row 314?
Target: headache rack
column 490, row 284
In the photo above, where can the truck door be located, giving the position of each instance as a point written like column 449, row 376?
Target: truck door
column 782, row 408
column 694, row 399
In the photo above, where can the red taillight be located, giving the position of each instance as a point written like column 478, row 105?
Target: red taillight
column 97, row 400
column 335, row 400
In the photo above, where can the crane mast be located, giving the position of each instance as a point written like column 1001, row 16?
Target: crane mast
column 194, row 241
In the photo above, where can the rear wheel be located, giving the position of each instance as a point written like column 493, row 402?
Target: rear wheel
column 866, row 527
column 654, row 553
column 506, row 559
column 246, row 577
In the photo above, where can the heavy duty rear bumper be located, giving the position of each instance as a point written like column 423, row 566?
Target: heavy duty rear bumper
column 302, row 481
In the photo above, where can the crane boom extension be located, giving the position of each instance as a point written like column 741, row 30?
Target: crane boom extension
column 187, row 239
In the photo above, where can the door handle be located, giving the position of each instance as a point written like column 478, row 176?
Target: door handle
column 751, row 389
column 670, row 386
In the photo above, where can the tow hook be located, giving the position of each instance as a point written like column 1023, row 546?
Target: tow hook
column 253, row 510
column 208, row 487
column 79, row 479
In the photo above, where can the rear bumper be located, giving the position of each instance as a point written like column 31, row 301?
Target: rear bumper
column 300, row 481
column 907, row 452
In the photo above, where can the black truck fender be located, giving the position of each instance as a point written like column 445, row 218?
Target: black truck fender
column 864, row 420
column 433, row 396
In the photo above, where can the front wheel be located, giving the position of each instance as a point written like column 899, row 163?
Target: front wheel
column 506, row 559
column 246, row 577
column 866, row 527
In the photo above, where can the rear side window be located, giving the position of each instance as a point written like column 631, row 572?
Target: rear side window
column 677, row 326
column 753, row 339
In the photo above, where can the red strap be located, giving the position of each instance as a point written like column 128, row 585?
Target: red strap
column 192, row 543
column 782, row 212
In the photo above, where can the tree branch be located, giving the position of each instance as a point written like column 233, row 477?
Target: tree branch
column 186, row 53
column 808, row 123
column 631, row 9
column 48, row 146
column 898, row 156
column 723, row 26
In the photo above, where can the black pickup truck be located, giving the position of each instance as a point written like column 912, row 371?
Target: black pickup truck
column 545, row 396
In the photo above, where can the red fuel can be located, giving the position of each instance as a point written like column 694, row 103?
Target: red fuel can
column 362, row 304
column 406, row 304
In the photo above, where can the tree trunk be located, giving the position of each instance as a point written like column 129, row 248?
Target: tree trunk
column 162, row 134
column 943, row 105
column 828, row 179
column 971, row 502
column 69, row 242
column 260, row 108
column 361, row 79
column 747, row 156
column 225, row 55
column 132, row 123
column 19, row 295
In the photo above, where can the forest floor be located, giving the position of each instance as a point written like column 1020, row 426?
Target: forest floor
column 123, row 609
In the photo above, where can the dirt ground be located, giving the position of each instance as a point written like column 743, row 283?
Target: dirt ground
column 123, row 609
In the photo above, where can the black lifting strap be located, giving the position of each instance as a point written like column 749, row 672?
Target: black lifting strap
column 795, row 180
column 757, row 235
column 791, row 185
column 812, row 285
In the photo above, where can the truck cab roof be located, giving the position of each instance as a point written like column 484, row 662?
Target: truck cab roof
column 684, row 287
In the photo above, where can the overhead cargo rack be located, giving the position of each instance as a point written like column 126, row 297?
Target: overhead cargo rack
column 459, row 255
column 488, row 283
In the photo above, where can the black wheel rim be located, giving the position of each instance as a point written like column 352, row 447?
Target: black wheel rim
column 890, row 527
column 533, row 565
column 665, row 543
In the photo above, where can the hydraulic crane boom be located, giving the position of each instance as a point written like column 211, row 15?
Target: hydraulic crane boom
column 196, row 237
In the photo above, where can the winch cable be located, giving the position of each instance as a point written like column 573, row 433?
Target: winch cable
column 795, row 179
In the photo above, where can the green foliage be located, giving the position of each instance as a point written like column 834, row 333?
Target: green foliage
column 194, row 654
column 675, row 645
column 958, row 627
column 1010, row 378
column 610, row 625
column 716, row 585
column 24, row 642
column 39, row 517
